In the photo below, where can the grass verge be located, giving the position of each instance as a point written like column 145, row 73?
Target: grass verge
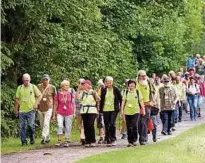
column 188, row 147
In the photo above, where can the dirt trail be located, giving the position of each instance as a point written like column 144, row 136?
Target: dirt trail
column 76, row 152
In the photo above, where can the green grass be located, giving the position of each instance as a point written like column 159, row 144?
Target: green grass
column 188, row 147
column 11, row 145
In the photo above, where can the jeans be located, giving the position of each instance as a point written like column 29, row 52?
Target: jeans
column 132, row 127
column 192, row 99
column 143, row 126
column 110, row 126
column 44, row 118
column 68, row 125
column 155, row 122
column 167, row 120
column 23, row 118
column 89, row 129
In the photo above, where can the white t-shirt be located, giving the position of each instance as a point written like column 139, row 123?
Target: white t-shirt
column 193, row 89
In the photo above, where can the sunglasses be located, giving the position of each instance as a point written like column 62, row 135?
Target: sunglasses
column 166, row 81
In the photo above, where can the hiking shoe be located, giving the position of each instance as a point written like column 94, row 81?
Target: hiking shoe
column 100, row 140
column 130, row 145
column 143, row 143
column 164, row 133
column 124, row 136
column 199, row 115
column 173, row 129
column 135, row 144
column 66, row 144
column 92, row 145
column 24, row 144
column 58, row 144
column 109, row 145
column 113, row 143
column 47, row 141
column 32, row 141
column 82, row 141
column 87, row 145
column 170, row 133
column 43, row 141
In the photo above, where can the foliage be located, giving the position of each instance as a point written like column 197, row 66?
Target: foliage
column 76, row 38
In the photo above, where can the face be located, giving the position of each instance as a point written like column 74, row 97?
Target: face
column 45, row 81
column 65, row 87
column 158, row 81
column 153, row 75
column 177, row 80
column 142, row 77
column 191, row 72
column 181, row 69
column 108, row 84
column 166, row 83
column 192, row 81
column 26, row 81
column 85, row 86
column 132, row 86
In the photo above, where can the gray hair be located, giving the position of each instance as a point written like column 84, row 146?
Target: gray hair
column 26, row 75
column 109, row 78
column 65, row 82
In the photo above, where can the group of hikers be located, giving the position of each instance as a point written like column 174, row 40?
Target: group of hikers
column 141, row 104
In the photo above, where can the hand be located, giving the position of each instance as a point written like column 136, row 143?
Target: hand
column 16, row 112
column 53, row 117
column 142, row 112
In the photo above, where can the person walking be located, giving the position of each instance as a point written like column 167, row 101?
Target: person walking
column 46, row 105
column 64, row 108
column 168, row 99
column 193, row 92
column 132, row 106
column 89, row 103
column 110, row 103
column 27, row 96
column 147, row 90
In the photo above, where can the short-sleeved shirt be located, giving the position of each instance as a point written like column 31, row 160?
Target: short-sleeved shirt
column 132, row 102
column 65, row 103
column 145, row 91
column 109, row 100
column 27, row 97
column 47, row 98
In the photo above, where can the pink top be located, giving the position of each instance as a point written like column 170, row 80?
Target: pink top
column 202, row 89
column 65, row 103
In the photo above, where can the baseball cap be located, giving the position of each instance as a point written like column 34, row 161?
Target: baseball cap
column 87, row 82
column 46, row 76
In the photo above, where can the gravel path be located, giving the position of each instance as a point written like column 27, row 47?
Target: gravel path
column 76, row 152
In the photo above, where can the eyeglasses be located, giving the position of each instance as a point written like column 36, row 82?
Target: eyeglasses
column 166, row 81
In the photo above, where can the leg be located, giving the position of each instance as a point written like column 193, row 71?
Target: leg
column 31, row 121
column 170, row 114
column 60, row 120
column 180, row 109
column 46, row 125
column 106, row 116
column 129, row 129
column 113, row 116
column 191, row 105
column 22, row 126
column 86, row 129
column 123, row 128
column 195, row 103
column 165, row 124
column 91, row 128
column 154, row 131
column 68, row 126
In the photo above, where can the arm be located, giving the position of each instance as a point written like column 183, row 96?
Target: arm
column 55, row 107
column 122, row 107
column 16, row 109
